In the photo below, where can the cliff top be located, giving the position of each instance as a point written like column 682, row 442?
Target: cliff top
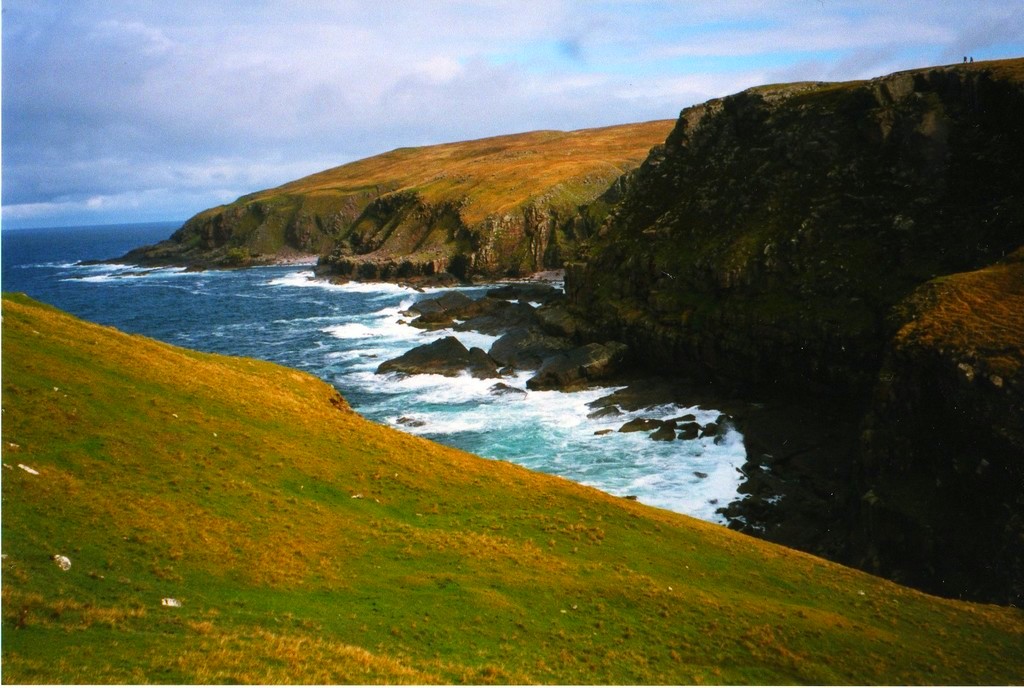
column 493, row 175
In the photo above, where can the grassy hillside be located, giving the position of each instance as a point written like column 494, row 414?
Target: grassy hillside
column 307, row 545
column 501, row 204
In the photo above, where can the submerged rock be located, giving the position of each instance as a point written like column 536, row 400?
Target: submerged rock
column 501, row 389
column 641, row 425
column 605, row 412
column 411, row 422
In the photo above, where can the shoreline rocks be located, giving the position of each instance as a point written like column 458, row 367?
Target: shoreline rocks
column 580, row 366
column 446, row 356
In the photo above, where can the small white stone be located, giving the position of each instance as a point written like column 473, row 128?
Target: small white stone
column 170, row 602
column 28, row 469
column 63, row 562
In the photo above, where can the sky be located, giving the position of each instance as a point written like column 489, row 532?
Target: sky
column 116, row 111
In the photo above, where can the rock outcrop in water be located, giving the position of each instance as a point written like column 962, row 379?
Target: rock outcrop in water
column 446, row 356
column 809, row 240
column 501, row 206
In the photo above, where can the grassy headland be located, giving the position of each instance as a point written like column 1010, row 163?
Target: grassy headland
column 308, row 545
column 500, row 205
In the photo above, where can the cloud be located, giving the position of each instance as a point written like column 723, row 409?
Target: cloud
column 172, row 106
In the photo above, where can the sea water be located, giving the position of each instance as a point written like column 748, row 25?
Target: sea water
column 341, row 333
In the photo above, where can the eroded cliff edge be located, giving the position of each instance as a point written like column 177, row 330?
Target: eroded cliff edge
column 778, row 242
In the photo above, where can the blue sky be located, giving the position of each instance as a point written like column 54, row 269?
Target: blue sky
column 117, row 111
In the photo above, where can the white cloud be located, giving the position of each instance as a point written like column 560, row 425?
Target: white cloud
column 178, row 104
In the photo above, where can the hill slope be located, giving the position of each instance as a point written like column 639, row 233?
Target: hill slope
column 495, row 206
column 772, row 243
column 307, row 545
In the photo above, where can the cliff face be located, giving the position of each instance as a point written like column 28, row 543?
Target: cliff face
column 501, row 206
column 943, row 444
column 803, row 213
column 770, row 240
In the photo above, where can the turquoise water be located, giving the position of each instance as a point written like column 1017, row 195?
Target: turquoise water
column 341, row 333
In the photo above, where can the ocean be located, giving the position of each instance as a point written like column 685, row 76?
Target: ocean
column 341, row 333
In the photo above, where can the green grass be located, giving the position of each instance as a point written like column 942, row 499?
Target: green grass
column 229, row 484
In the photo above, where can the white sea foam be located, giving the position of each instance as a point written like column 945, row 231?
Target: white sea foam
column 543, row 430
column 549, row 431
column 378, row 329
column 111, row 272
column 307, row 279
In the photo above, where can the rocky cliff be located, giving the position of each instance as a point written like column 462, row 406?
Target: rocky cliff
column 779, row 240
column 942, row 450
column 500, row 206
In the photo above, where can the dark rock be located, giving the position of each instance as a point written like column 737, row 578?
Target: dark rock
column 710, row 430
column 411, row 422
column 446, row 356
column 685, row 418
column 480, row 364
column 641, row 425
column 606, row 431
column 946, row 427
column 579, row 366
column 441, row 311
column 445, row 303
column 689, row 431
column 666, row 433
column 556, row 372
column 525, row 291
column 558, row 321
column 435, row 320
column 606, row 412
column 501, row 317
column 700, row 474
column 501, row 389
column 526, row 348
column 808, row 311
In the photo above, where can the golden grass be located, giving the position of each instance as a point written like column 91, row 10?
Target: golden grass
column 977, row 316
column 493, row 175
